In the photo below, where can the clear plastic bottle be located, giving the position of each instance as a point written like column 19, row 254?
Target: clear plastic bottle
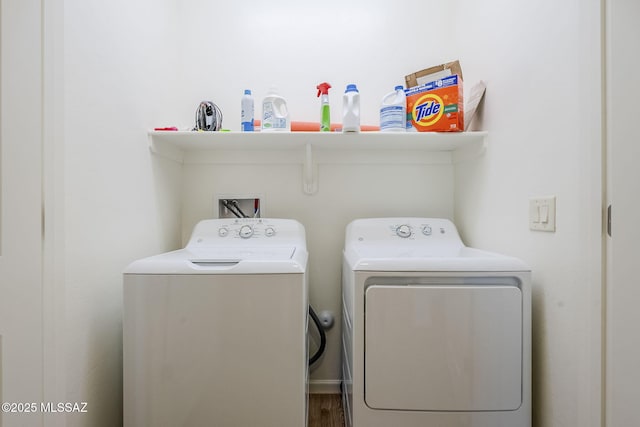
column 246, row 114
column 275, row 115
column 393, row 111
column 351, row 109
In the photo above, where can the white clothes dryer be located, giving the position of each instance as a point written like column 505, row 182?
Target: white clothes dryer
column 215, row 334
column 434, row 333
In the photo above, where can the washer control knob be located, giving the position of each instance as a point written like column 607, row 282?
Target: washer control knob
column 269, row 231
column 223, row 231
column 403, row 231
column 426, row 230
column 246, row 231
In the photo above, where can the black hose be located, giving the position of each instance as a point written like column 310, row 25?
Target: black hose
column 237, row 205
column 232, row 209
column 323, row 338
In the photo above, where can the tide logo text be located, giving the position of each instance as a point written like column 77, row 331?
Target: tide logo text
column 427, row 110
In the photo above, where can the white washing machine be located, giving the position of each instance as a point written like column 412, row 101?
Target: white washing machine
column 434, row 333
column 215, row 334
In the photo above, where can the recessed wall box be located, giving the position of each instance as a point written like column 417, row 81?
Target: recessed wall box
column 238, row 206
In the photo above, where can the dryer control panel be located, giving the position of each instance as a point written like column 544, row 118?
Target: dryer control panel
column 374, row 229
column 407, row 236
column 428, row 228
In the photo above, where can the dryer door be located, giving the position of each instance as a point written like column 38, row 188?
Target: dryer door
column 443, row 347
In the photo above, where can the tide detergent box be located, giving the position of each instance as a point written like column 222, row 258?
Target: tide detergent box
column 436, row 106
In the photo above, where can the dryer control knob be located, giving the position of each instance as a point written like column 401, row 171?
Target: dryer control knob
column 269, row 231
column 403, row 231
column 426, row 230
column 246, row 231
column 223, row 231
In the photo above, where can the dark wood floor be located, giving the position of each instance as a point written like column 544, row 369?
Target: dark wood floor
column 325, row 410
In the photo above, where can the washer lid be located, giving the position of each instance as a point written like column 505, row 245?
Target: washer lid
column 234, row 246
column 219, row 260
column 249, row 253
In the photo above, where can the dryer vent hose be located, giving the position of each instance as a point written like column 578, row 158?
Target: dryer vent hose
column 323, row 338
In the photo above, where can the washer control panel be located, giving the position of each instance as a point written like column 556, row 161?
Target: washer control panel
column 231, row 231
column 247, row 230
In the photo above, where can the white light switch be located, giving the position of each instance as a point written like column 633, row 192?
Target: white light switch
column 542, row 213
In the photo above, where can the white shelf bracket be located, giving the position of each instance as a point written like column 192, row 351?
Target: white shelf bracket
column 166, row 151
column 470, row 152
column 309, row 173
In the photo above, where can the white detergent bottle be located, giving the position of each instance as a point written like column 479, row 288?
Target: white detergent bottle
column 351, row 109
column 246, row 113
column 275, row 116
column 393, row 111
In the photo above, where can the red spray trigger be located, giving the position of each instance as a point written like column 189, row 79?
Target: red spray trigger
column 323, row 88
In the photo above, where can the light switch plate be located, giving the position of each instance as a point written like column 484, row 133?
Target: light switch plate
column 542, row 213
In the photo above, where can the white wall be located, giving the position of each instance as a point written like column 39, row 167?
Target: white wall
column 226, row 47
column 541, row 61
column 120, row 202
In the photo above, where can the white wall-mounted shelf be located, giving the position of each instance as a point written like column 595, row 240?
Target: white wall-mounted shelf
column 217, row 147
column 427, row 141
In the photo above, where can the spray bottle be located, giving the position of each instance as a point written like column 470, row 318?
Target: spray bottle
column 325, row 114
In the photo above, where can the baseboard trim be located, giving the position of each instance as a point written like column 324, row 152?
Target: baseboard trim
column 324, row 386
